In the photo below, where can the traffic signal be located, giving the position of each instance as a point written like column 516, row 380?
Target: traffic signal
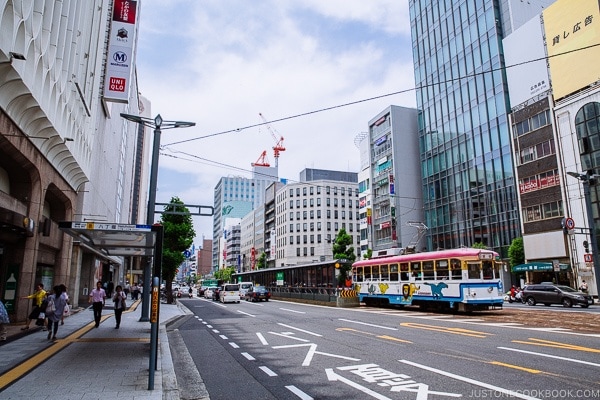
column 586, row 246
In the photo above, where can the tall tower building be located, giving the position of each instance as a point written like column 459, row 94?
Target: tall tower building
column 469, row 188
column 235, row 197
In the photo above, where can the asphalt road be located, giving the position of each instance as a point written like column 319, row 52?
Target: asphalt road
column 282, row 350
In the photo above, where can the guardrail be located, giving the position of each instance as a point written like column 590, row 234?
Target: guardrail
column 326, row 295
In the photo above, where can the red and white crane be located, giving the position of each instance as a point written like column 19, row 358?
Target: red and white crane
column 262, row 160
column 277, row 137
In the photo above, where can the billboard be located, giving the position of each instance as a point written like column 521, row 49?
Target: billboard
column 526, row 79
column 120, row 51
column 571, row 26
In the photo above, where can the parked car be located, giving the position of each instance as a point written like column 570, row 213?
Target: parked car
column 258, row 293
column 244, row 286
column 230, row 292
column 216, row 293
column 201, row 290
column 547, row 294
column 208, row 292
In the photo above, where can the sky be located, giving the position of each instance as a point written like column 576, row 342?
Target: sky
column 317, row 70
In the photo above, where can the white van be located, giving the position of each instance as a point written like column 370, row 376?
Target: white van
column 230, row 292
column 244, row 286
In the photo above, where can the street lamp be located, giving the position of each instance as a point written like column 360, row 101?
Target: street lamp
column 157, row 124
column 585, row 180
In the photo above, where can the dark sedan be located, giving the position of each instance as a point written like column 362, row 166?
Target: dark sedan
column 258, row 293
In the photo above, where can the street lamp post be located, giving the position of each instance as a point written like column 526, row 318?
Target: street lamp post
column 585, row 180
column 157, row 124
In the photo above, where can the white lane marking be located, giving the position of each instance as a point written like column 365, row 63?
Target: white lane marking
column 248, row 356
column 551, row 356
column 209, row 326
column 289, row 336
column 267, row 371
column 294, row 311
column 245, row 313
column 234, row 345
column 300, row 330
column 364, row 323
column 469, row 380
column 215, row 330
column 312, row 350
column 205, row 323
column 298, row 392
column 262, row 338
column 332, row 376
column 223, row 337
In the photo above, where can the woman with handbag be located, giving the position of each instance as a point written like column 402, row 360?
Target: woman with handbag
column 38, row 297
column 56, row 307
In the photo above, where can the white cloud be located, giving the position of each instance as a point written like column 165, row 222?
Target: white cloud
column 220, row 63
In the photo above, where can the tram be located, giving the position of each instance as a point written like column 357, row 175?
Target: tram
column 464, row 279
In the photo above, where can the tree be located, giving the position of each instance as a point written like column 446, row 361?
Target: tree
column 368, row 254
column 262, row 261
column 343, row 251
column 479, row 245
column 225, row 274
column 178, row 237
column 516, row 252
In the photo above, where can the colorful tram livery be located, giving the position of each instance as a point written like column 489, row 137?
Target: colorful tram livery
column 463, row 279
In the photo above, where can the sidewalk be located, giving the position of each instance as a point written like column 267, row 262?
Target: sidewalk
column 87, row 362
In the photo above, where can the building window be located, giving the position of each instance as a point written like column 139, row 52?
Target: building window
column 328, row 213
column 291, row 227
column 318, row 189
column 318, row 214
column 319, row 238
column 291, row 203
column 318, row 202
column 304, row 214
column 327, row 190
column 291, row 215
column 304, row 190
column 298, row 252
column 312, row 190
column 312, row 214
column 297, row 191
column 305, row 227
column 291, row 240
column 291, row 192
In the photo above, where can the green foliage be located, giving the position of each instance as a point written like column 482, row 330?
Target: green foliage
column 516, row 252
column 368, row 254
column 225, row 274
column 178, row 236
column 479, row 245
column 261, row 263
column 342, row 250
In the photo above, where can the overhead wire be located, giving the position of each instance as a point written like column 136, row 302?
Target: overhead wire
column 320, row 110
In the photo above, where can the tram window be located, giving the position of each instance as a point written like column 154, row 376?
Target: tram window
column 474, row 270
column 497, row 270
column 488, row 271
column 441, row 269
column 359, row 274
column 404, row 272
column 415, row 268
column 455, row 268
column 375, row 272
column 394, row 272
column 367, row 273
column 428, row 272
column 384, row 273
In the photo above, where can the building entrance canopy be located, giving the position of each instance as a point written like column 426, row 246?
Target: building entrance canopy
column 111, row 239
column 537, row 267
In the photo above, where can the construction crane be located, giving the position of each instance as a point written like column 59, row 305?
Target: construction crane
column 278, row 142
column 262, row 160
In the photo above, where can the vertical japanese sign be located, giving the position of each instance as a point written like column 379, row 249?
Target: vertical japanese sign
column 120, row 51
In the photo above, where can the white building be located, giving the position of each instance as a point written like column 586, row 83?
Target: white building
column 65, row 154
column 310, row 213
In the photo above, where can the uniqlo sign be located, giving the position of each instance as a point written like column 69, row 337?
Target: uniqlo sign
column 120, row 51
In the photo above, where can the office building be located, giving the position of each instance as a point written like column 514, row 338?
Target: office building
column 310, row 213
column 469, row 187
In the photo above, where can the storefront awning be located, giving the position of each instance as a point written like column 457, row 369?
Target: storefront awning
column 537, row 267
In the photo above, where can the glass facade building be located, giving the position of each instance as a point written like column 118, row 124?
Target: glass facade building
column 469, row 190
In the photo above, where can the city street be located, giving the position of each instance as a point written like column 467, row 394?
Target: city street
column 281, row 350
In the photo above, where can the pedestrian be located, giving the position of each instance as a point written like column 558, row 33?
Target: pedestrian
column 584, row 286
column 110, row 286
column 3, row 321
column 98, row 299
column 66, row 312
column 38, row 298
column 127, row 288
column 120, row 304
column 56, row 307
column 134, row 291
